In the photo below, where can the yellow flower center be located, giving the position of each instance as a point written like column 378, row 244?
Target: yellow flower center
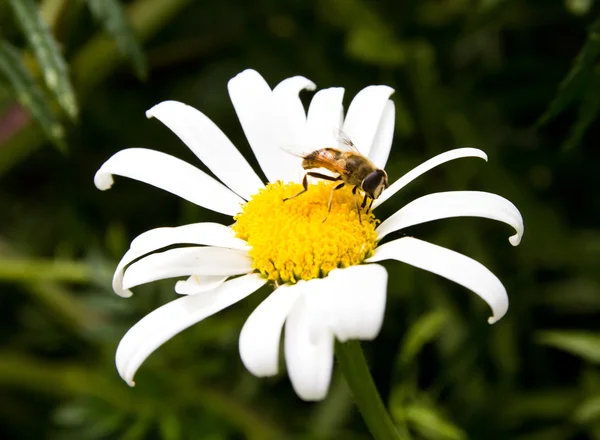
column 291, row 242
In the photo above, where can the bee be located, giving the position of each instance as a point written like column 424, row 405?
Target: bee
column 351, row 167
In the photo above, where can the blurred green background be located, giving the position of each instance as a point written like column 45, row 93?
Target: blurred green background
column 518, row 79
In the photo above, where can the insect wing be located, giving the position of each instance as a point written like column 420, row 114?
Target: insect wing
column 295, row 150
column 345, row 143
column 330, row 159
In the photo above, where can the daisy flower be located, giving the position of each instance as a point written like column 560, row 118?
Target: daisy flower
column 327, row 283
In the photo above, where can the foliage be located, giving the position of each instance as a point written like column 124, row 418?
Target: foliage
column 46, row 52
column 517, row 79
column 28, row 93
column 110, row 13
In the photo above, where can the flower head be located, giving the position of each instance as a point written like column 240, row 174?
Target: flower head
column 290, row 240
column 318, row 250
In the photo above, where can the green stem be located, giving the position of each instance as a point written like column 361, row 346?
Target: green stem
column 356, row 371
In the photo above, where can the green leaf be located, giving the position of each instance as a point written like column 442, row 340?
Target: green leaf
column 47, row 54
column 60, row 379
column 578, row 7
column 375, row 45
column 588, row 411
column 420, row 333
column 29, row 94
column 432, row 424
column 588, row 111
column 580, row 343
column 572, row 87
column 368, row 37
column 6, row 94
column 111, row 15
column 169, row 426
column 547, row 404
column 139, row 428
column 27, row 270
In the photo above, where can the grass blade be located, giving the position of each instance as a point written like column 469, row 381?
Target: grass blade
column 580, row 343
column 47, row 54
column 572, row 86
column 588, row 110
column 428, row 421
column 111, row 15
column 419, row 334
column 29, row 94
column 23, row 270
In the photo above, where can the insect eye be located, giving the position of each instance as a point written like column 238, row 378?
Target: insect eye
column 372, row 184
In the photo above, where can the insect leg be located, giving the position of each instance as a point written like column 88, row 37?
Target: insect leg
column 356, row 203
column 364, row 202
column 370, row 204
column 305, row 182
column 331, row 199
column 324, row 176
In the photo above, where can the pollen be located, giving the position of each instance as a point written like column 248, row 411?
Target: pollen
column 297, row 239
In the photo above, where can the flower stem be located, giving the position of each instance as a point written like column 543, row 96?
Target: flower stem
column 356, row 371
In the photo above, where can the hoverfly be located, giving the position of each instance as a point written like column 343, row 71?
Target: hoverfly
column 351, row 167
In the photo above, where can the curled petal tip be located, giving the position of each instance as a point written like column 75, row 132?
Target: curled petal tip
column 245, row 74
column 128, row 380
column 180, row 287
column 493, row 320
column 310, row 85
column 151, row 112
column 103, row 181
column 312, row 398
column 515, row 239
column 391, row 89
column 165, row 105
column 478, row 153
column 261, row 373
column 125, row 293
column 381, row 87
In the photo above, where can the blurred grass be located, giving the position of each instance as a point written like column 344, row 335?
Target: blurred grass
column 91, row 65
column 478, row 73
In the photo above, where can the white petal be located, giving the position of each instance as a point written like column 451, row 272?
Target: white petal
column 324, row 119
column 165, row 322
column 259, row 339
column 308, row 346
column 451, row 265
column 199, row 283
column 364, row 116
column 186, row 261
column 208, row 234
column 172, row 175
column 272, row 120
column 455, row 204
column 288, row 126
column 382, row 145
column 426, row 166
column 210, row 144
column 251, row 97
column 254, row 103
column 355, row 301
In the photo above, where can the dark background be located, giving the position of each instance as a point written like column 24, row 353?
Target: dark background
column 479, row 73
